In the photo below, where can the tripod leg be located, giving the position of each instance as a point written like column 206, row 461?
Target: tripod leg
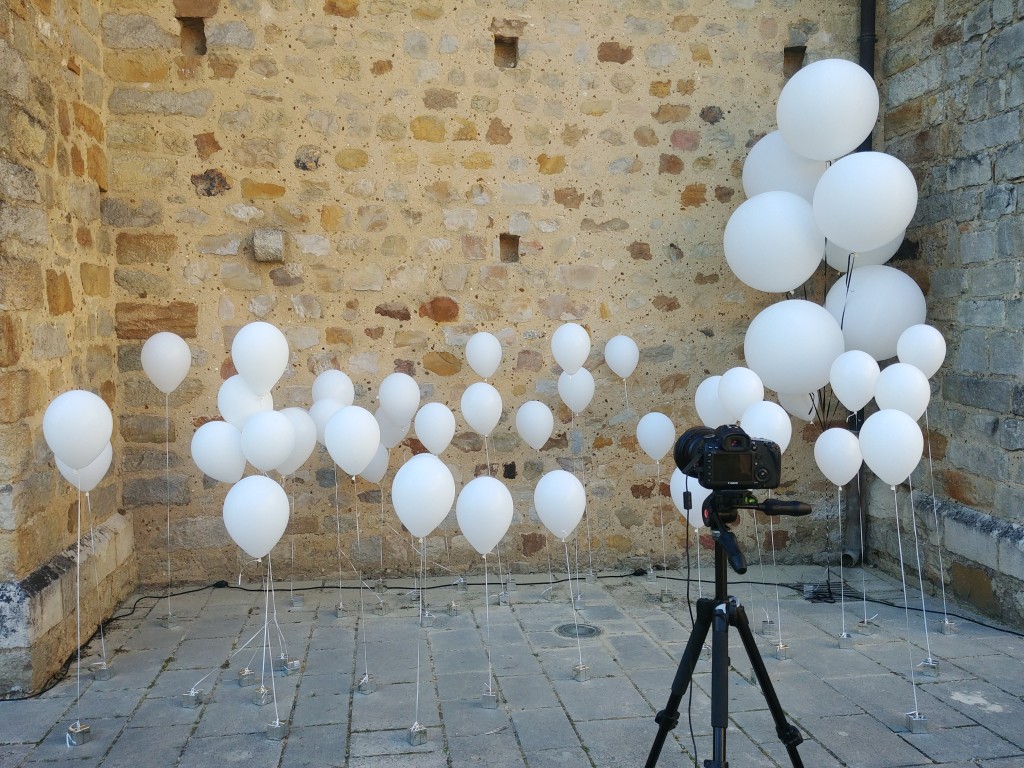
column 719, row 686
column 789, row 734
column 668, row 718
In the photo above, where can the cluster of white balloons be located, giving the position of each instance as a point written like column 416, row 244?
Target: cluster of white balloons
column 77, row 426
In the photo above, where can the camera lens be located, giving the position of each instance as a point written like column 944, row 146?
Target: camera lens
column 689, row 450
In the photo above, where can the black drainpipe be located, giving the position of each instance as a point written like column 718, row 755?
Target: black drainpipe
column 856, row 532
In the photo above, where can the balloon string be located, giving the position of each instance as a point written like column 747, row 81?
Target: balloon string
column 423, row 570
column 778, row 602
column 241, row 648
column 362, row 626
column 849, row 281
column 661, row 519
column 291, row 543
column 863, row 575
column 270, row 593
column 842, row 537
column 935, row 518
column 760, row 563
column 700, row 581
column 487, row 614
column 78, row 603
column 572, row 602
column 381, row 531
column 96, row 575
column 920, row 573
column 337, row 520
column 625, row 393
column 906, row 601
column 167, row 488
column 356, row 506
column 583, row 481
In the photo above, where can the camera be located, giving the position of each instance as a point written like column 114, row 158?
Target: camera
column 728, row 457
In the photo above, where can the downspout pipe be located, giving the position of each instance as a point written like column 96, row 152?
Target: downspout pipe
column 856, row 532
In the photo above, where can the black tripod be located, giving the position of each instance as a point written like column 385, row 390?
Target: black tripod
column 716, row 615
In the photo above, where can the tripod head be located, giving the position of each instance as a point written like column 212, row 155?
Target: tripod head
column 721, row 509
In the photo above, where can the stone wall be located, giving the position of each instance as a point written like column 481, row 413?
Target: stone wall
column 56, row 333
column 954, row 98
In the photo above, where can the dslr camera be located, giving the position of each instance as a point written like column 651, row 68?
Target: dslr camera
column 727, row 457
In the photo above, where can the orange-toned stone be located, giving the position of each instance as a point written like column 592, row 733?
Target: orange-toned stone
column 58, row 293
column 498, row 132
column 640, row 251
column 347, row 9
column 381, row 67
column 331, row 217
column 569, row 197
column 136, row 67
column 428, row 128
column 140, row 320
column 195, row 9
column 551, row 164
column 77, row 161
column 442, row 363
column 478, row 160
column 614, row 52
column 700, row 53
column 665, row 303
column 338, row 336
column 671, row 113
column 261, row 190
column 222, row 66
column 10, row 340
column 95, row 279
column 352, row 159
column 98, row 169
column 693, row 196
column 87, row 119
column 674, row 383
column 206, row 145
column 83, row 236
column 144, row 248
column 440, row 309
column 684, row 23
column 466, row 131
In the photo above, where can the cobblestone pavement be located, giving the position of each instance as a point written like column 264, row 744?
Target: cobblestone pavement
column 528, row 682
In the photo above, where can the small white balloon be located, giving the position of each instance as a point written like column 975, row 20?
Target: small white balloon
column 435, row 427
column 656, row 433
column 768, row 421
column 321, row 412
column 841, row 258
column 304, row 429
column 622, row 354
column 391, row 434
column 805, row 407
column 260, row 354
column 923, row 347
column 739, row 389
column 481, row 407
column 904, row 387
column 560, row 500
column 77, row 426
column 237, row 402
column 535, row 422
column 484, row 512
column 483, row 352
column 166, row 359
column 256, row 514
column 335, row 385
column 351, row 437
column 399, row 397
column 772, row 166
column 570, row 345
column 422, row 493
column 853, row 376
column 378, row 466
column 892, row 445
column 709, row 407
column 837, row 454
column 217, row 451
column 577, row 389
column 89, row 476
column 267, row 440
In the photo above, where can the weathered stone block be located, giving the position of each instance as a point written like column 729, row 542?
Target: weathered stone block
column 145, row 248
column 95, row 280
column 131, row 101
column 137, row 320
column 22, row 393
column 135, row 31
column 259, row 190
column 22, row 223
column 144, row 492
column 268, row 245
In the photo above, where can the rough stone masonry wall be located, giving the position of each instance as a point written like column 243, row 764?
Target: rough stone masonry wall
column 56, row 333
column 407, row 189
column 954, row 99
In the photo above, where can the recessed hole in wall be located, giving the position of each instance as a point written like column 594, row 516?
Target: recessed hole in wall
column 793, row 59
column 193, row 36
column 508, row 247
column 506, row 51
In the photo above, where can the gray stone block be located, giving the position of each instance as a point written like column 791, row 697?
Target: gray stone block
column 992, row 132
column 1010, row 162
column 969, row 171
column 986, row 313
column 992, row 279
column 1007, row 353
column 978, row 245
column 1010, row 236
column 268, row 245
column 977, row 458
column 135, row 30
column 1002, row 50
column 972, row 352
column 129, row 101
column 235, row 34
column 979, row 392
column 997, row 201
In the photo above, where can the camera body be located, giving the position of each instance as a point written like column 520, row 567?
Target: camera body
column 727, row 457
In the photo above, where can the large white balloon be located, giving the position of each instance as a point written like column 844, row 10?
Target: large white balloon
column 874, row 305
column 839, row 257
column 534, row 422
column 352, row 436
column 772, row 166
column 166, row 359
column 435, row 427
column 656, row 433
column 481, row 407
column 560, row 500
column 321, row 412
column 483, row 352
column 791, row 345
column 422, row 492
column 577, row 389
column 237, row 402
column 77, row 426
column 772, row 242
column 304, row 430
column 904, row 387
column 923, row 347
column 865, row 200
column 853, row 376
column 335, row 385
column 256, row 514
column 739, row 389
column 768, row 421
column 89, row 476
column 378, row 466
column 827, row 109
column 709, row 407
column 892, row 445
column 837, row 454
column 217, row 451
column 391, row 434
column 622, row 354
column 679, row 484
column 267, row 440
column 570, row 345
column 484, row 512
column 805, row 407
column 260, row 354
column 399, row 396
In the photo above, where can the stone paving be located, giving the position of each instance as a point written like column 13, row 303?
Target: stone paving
column 849, row 703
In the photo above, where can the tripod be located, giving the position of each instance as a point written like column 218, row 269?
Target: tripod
column 717, row 615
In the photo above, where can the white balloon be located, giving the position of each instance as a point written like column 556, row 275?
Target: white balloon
column 378, row 466
column 772, row 166
column 560, row 500
column 853, row 376
column 837, row 454
column 738, row 389
column 304, row 430
column 89, row 476
column 321, row 412
column 217, row 451
column 399, row 396
column 484, row 512
column 577, row 389
column 622, row 354
column 839, row 257
column 772, row 242
column 570, row 345
column 656, row 433
column 679, row 484
column 483, row 352
column 865, row 200
column 874, row 305
column 791, row 345
column 923, row 347
column 391, row 434
column 166, row 360
column 903, row 387
column 827, row 109
column 77, row 426
column 237, row 402
column 422, row 493
column 335, row 385
column 892, row 445
column 768, row 421
column 260, row 354
column 267, row 440
column 709, row 407
column 352, row 436
column 534, row 422
column 256, row 514
column 435, row 427
column 805, row 407
column 481, row 407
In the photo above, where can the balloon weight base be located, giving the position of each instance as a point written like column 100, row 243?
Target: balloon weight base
column 929, row 667
column 78, row 734
column 367, row 685
column 548, row 593
column 591, row 577
column 453, row 608
column 246, row 677
column 917, row 723
column 381, row 608
column 782, row 652
column 652, row 576
column 461, row 585
column 489, row 700
column 706, row 652
column 380, row 587
column 417, row 735
column 767, row 627
column 510, row 583
column 277, row 730
column 865, row 628
column 170, row 621
column 578, row 602
column 581, row 673
column 503, row 598
column 192, row 699
column 426, row 619
column 414, row 596
column 845, row 641
column 948, row 627
column 298, row 601
column 263, row 696
column 339, row 611
column 287, row 665
column 100, row 671
column 667, row 596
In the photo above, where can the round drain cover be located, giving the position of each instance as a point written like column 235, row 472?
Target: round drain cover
column 577, row 630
